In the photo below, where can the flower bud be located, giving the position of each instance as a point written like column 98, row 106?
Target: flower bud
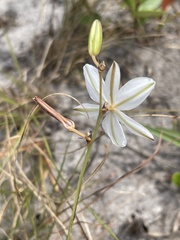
column 95, row 38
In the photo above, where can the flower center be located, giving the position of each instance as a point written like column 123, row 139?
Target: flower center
column 106, row 107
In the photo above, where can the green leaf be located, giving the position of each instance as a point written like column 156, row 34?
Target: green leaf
column 147, row 14
column 131, row 4
column 176, row 179
column 171, row 136
column 149, row 5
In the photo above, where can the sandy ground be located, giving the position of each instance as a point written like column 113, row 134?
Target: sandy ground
column 145, row 205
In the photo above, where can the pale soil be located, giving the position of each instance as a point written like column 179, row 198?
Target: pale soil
column 148, row 195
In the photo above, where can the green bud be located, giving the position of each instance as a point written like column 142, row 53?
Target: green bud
column 95, row 38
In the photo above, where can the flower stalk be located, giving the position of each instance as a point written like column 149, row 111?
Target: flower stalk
column 94, row 47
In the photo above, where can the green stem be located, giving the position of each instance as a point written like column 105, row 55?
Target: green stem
column 80, row 181
column 88, row 152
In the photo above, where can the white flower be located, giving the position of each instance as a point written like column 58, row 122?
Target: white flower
column 116, row 100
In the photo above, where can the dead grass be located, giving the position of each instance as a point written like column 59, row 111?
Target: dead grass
column 36, row 194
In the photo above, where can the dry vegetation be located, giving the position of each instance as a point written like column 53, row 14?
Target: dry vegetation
column 37, row 187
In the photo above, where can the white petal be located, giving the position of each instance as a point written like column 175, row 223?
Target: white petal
column 112, row 82
column 134, row 92
column 114, row 130
column 133, row 126
column 91, row 75
column 91, row 110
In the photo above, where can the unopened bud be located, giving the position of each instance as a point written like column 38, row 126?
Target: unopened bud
column 95, row 38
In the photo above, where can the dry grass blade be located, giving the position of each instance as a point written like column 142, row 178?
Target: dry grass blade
column 43, row 199
column 4, row 207
column 134, row 170
column 96, row 169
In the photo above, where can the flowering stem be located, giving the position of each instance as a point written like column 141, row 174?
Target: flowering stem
column 80, row 181
column 95, row 61
column 86, row 158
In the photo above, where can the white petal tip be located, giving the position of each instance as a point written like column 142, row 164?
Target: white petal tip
column 119, row 144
